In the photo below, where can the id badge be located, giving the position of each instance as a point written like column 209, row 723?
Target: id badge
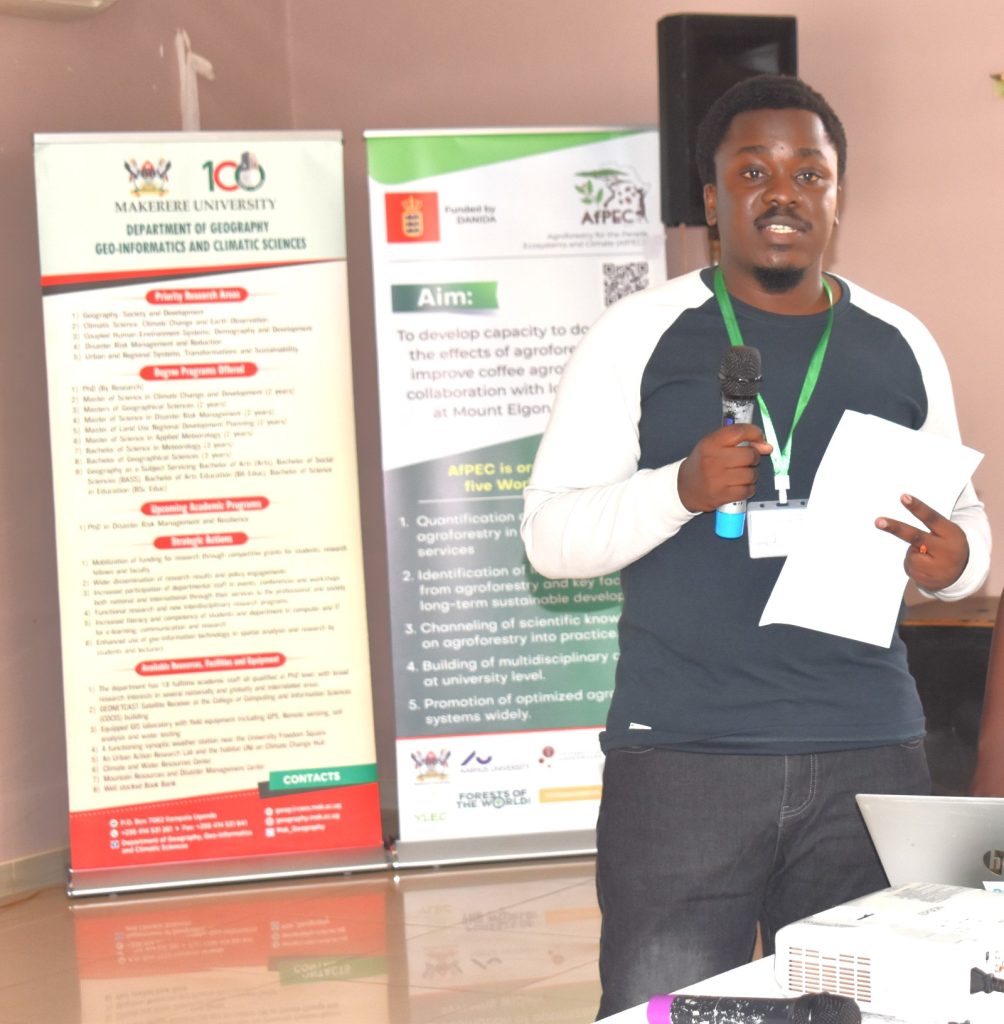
column 773, row 527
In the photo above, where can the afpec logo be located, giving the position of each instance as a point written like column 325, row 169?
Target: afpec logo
column 612, row 195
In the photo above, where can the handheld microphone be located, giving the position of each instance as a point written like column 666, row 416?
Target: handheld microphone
column 813, row 1008
column 740, row 376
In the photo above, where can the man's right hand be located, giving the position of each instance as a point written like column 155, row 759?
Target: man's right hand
column 722, row 467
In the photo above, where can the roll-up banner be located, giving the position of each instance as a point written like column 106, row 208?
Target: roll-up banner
column 493, row 252
column 216, row 670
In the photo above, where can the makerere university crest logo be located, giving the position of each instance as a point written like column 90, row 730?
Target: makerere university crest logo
column 431, row 767
column 148, row 178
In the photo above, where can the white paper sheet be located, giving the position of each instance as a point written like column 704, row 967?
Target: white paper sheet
column 845, row 576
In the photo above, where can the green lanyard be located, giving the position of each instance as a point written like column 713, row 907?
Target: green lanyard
column 780, row 457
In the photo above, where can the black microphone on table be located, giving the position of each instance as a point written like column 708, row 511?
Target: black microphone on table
column 813, row 1008
column 740, row 376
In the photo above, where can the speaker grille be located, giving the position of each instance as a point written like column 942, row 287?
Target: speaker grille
column 844, row 974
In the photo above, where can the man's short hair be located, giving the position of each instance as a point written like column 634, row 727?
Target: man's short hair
column 763, row 92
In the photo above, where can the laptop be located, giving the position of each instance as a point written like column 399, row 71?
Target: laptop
column 952, row 840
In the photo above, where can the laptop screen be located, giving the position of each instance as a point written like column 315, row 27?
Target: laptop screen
column 954, row 840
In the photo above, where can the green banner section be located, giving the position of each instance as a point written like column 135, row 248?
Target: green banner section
column 307, row 970
column 488, row 645
column 456, row 297
column 396, row 159
column 321, row 778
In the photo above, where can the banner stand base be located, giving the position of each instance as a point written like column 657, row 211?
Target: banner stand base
column 110, row 881
column 489, row 849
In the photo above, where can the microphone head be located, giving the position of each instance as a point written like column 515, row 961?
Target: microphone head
column 740, row 373
column 826, row 1008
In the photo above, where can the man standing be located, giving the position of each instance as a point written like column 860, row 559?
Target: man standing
column 734, row 751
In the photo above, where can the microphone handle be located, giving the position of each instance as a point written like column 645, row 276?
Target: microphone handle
column 810, row 1008
column 730, row 518
column 734, row 1010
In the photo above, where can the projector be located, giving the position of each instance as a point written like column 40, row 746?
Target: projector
column 920, row 953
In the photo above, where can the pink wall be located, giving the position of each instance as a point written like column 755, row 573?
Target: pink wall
column 115, row 71
column 910, row 78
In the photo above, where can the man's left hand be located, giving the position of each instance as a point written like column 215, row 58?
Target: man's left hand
column 936, row 557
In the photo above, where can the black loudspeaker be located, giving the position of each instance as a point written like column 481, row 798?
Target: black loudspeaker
column 700, row 56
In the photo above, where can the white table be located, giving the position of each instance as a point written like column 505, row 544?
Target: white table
column 754, row 980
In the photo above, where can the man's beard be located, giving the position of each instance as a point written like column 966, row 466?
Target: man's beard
column 778, row 280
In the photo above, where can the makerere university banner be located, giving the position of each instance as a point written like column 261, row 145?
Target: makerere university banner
column 216, row 669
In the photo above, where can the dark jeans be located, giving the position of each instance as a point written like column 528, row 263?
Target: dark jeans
column 693, row 850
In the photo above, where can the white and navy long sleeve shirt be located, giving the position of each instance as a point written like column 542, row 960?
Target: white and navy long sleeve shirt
column 696, row 671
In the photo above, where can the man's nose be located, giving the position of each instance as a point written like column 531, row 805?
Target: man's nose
column 780, row 192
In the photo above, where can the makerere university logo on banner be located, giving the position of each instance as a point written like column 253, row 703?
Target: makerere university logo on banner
column 148, row 178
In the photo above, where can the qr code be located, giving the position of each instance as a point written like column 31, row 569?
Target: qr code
column 620, row 279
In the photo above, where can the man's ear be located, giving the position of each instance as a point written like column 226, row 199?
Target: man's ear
column 710, row 205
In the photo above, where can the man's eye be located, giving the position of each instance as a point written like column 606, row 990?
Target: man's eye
column 810, row 177
column 751, row 173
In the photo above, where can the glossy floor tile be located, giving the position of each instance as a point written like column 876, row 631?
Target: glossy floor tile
column 514, row 944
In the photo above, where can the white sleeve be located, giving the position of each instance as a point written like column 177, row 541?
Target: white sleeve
column 971, row 516
column 588, row 509
column 942, row 419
